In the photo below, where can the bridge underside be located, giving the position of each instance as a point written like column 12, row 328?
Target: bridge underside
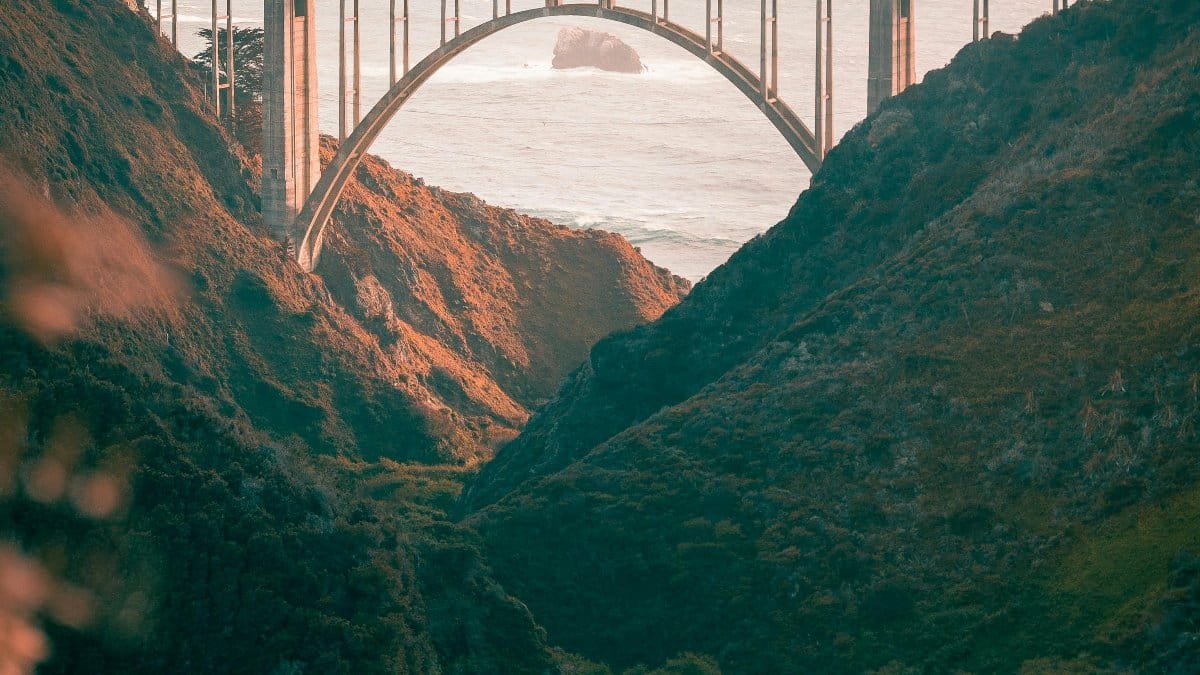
column 309, row 227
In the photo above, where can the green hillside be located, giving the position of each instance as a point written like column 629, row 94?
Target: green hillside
column 941, row 418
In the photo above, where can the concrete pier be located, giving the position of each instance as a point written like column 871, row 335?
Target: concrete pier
column 823, row 117
column 892, row 63
column 291, row 145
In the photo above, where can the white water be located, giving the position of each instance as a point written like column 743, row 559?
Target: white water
column 676, row 159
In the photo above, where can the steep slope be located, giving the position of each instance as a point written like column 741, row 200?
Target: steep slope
column 237, row 399
column 521, row 299
column 943, row 417
column 132, row 138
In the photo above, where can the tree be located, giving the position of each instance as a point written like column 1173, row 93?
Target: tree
column 247, row 59
column 248, row 78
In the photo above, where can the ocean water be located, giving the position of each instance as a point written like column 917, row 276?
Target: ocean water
column 675, row 159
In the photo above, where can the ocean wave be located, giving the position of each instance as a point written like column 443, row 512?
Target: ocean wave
column 241, row 21
column 468, row 73
column 641, row 232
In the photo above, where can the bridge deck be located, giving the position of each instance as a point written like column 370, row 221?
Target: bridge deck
column 309, row 228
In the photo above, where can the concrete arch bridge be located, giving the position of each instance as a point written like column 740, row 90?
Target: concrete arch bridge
column 310, row 224
column 298, row 199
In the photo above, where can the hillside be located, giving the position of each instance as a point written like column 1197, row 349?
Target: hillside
column 437, row 276
column 131, row 139
column 941, row 418
column 284, row 444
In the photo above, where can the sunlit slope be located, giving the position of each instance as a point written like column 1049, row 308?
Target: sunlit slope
column 443, row 309
column 241, row 397
column 942, row 417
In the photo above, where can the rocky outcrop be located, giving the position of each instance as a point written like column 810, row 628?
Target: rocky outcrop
column 583, row 48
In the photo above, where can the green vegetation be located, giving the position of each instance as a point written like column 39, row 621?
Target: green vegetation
column 248, row 78
column 1122, row 566
column 943, row 418
column 236, row 540
column 268, row 431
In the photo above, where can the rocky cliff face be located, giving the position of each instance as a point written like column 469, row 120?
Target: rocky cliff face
column 943, row 417
column 481, row 310
column 583, row 48
column 274, row 429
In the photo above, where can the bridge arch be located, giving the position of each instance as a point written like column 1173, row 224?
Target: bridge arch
column 309, row 228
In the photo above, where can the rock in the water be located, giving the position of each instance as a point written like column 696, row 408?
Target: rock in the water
column 582, row 48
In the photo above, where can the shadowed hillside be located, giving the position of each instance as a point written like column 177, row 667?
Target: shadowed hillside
column 943, row 417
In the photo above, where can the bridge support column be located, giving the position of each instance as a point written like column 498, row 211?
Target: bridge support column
column 349, row 90
column 216, row 85
column 823, row 125
column 892, row 64
column 173, row 17
column 393, row 20
column 714, row 37
column 980, row 31
column 768, row 49
column 291, row 146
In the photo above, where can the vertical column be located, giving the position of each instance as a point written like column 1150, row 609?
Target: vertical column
column 906, row 46
column 291, row 150
column 342, row 121
column 829, row 128
column 823, row 128
column 391, row 42
column 349, row 75
column 173, row 17
column 774, row 49
column 981, row 30
column 708, row 24
column 768, row 68
column 891, row 64
column 357, row 66
column 215, row 53
column 720, row 26
column 714, row 28
column 230, row 65
column 394, row 52
column 216, row 62
column 762, row 52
